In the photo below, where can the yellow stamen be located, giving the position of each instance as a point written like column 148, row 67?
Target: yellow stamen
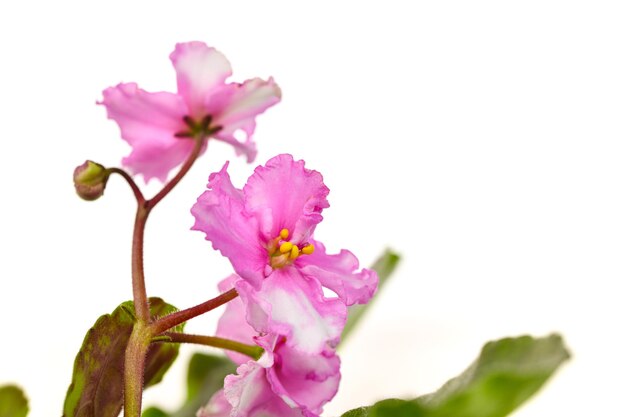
column 286, row 247
column 308, row 249
column 284, row 233
column 295, row 252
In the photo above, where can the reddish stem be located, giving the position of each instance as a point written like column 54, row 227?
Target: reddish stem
column 133, row 185
column 181, row 173
column 171, row 320
column 134, row 364
column 140, row 298
column 137, row 348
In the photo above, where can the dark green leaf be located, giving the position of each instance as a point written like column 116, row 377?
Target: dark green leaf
column 384, row 266
column 13, row 403
column 153, row 412
column 98, row 377
column 205, row 376
column 507, row 373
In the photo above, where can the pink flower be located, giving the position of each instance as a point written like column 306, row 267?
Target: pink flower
column 283, row 383
column 292, row 384
column 160, row 126
column 218, row 406
column 266, row 231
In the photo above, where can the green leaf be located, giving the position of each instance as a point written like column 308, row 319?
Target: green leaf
column 507, row 373
column 205, row 376
column 13, row 403
column 98, row 378
column 154, row 412
column 389, row 407
column 384, row 266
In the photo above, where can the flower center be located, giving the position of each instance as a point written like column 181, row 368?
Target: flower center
column 282, row 252
column 198, row 129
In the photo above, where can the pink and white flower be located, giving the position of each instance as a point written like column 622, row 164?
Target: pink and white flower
column 293, row 385
column 266, row 231
column 160, row 127
column 284, row 382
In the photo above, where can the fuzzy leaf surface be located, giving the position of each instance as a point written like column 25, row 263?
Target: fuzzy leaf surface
column 98, row 378
column 505, row 375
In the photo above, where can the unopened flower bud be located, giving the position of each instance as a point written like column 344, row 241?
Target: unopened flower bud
column 90, row 179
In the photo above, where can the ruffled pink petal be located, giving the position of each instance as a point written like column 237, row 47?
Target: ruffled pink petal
column 148, row 122
column 248, row 100
column 310, row 381
column 340, row 273
column 218, row 406
column 232, row 325
column 199, row 71
column 251, row 395
column 219, row 213
column 294, row 306
column 238, row 112
column 284, row 194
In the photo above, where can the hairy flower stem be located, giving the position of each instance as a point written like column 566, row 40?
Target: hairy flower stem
column 140, row 298
column 252, row 351
column 137, row 348
column 134, row 364
column 144, row 207
column 131, row 183
column 199, row 141
column 143, row 333
column 171, row 320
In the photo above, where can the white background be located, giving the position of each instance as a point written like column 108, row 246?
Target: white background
column 484, row 141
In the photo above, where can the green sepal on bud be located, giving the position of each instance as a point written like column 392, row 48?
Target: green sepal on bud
column 90, row 179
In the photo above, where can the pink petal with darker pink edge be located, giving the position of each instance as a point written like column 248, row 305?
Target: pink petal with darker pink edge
column 294, row 306
column 310, row 381
column 232, row 324
column 200, row 70
column 340, row 273
column 283, row 194
column 160, row 127
column 219, row 213
column 266, row 232
column 251, row 395
column 146, row 122
column 247, row 101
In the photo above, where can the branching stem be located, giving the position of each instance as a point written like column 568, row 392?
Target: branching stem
column 172, row 320
column 131, row 182
column 143, row 330
column 197, row 148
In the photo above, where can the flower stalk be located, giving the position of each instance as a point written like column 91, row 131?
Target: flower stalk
column 195, row 152
column 134, row 364
column 131, row 183
column 143, row 330
column 140, row 298
column 144, row 207
column 172, row 320
column 252, row 351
